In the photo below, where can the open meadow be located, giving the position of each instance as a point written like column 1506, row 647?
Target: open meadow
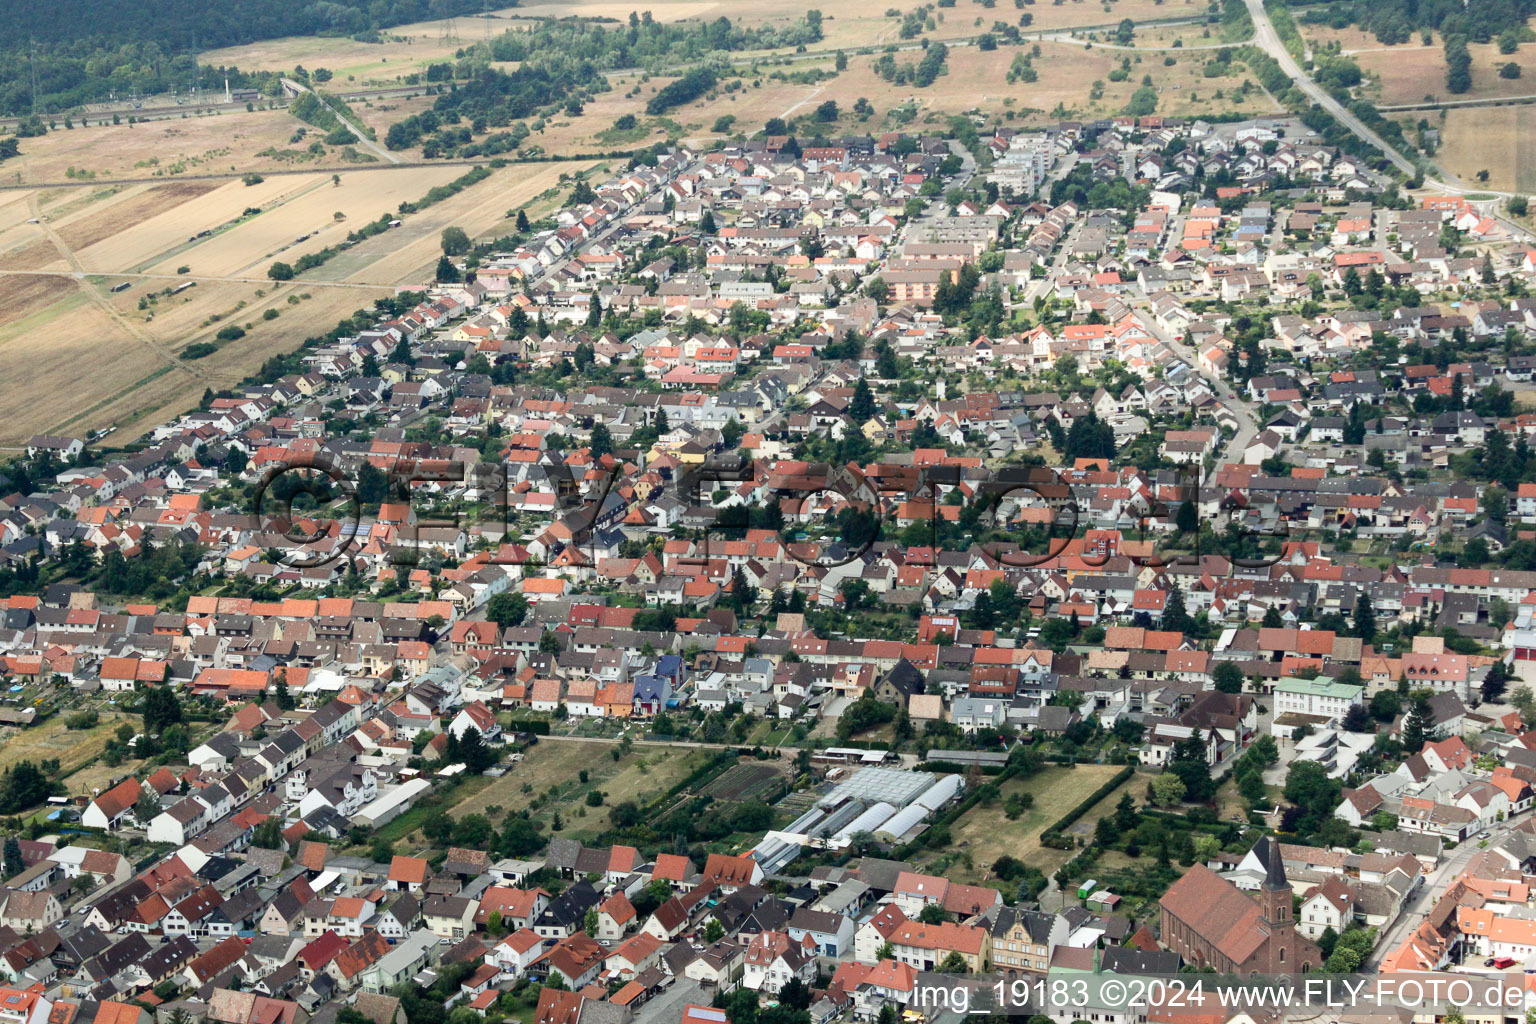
column 78, row 751
column 404, row 50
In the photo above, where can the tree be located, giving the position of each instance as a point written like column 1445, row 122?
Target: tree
column 455, row 241
column 1495, row 683
column 827, row 111
column 1386, row 705
column 1187, row 519
column 1188, row 762
column 522, row 221
column 1126, row 817
column 1228, row 677
column 283, row 698
column 161, row 708
column 507, row 609
column 1458, row 65
column 862, row 405
column 1307, row 785
column 269, row 834
column 280, row 271
column 1416, row 723
column 795, row 994
column 1365, row 618
column 446, row 272
column 601, row 441
column 932, row 913
column 954, row 963
column 14, row 865
column 1524, row 702
column 1357, row 719
column 1167, row 790
column 1175, row 618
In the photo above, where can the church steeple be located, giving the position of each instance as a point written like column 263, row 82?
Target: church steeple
column 1275, row 894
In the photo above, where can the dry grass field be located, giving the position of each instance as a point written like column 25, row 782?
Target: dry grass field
column 407, row 49
column 553, row 765
column 1408, row 74
column 1500, row 140
column 227, row 143
column 77, row 750
column 56, row 320
column 978, row 80
column 986, row 833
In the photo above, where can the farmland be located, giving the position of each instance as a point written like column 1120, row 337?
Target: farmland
column 230, row 143
column 549, row 775
column 78, row 751
column 749, row 780
column 1500, row 140
column 1413, row 74
column 985, row 833
column 61, row 312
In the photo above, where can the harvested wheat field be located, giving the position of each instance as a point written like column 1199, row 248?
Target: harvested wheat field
column 42, row 352
column 295, row 206
column 1500, row 140
column 408, row 254
column 161, row 234
column 92, row 226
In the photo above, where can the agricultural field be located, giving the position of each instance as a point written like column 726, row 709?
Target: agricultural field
column 59, row 309
column 77, row 750
column 226, row 143
column 1500, row 140
column 551, row 770
column 978, row 80
column 1409, row 74
column 985, row 833
column 749, row 780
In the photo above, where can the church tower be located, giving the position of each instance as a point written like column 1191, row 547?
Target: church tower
column 1275, row 908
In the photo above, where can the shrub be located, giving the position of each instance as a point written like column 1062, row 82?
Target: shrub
column 252, row 178
column 231, row 333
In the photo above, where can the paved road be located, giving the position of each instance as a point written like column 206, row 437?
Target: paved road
column 1244, row 411
column 1424, row 897
column 357, row 133
column 1269, row 41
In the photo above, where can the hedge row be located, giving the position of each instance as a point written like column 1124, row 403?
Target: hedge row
column 1065, row 821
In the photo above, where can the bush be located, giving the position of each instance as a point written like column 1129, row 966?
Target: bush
column 199, row 350
column 270, row 314
column 231, row 333
column 252, row 178
column 1510, row 70
column 82, row 720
